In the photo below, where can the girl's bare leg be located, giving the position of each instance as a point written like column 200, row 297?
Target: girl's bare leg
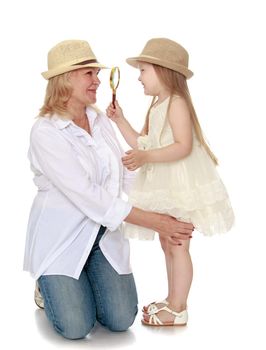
column 180, row 273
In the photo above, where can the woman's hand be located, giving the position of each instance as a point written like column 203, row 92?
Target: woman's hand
column 167, row 226
column 134, row 159
column 172, row 240
column 175, row 231
column 115, row 114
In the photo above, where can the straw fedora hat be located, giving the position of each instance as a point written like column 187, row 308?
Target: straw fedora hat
column 70, row 55
column 165, row 53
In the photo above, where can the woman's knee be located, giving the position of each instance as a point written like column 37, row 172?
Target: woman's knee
column 74, row 334
column 121, row 321
column 73, row 328
column 69, row 306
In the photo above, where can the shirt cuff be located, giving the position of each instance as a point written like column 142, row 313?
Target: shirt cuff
column 116, row 214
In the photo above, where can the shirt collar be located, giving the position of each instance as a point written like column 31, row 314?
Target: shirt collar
column 61, row 122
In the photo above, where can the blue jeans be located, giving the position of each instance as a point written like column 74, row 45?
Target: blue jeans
column 100, row 294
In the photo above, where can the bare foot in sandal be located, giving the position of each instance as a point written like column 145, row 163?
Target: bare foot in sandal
column 154, row 306
column 165, row 316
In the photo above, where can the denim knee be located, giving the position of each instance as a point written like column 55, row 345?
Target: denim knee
column 120, row 322
column 69, row 305
column 73, row 328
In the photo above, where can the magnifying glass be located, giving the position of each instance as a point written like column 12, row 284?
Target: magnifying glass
column 114, row 82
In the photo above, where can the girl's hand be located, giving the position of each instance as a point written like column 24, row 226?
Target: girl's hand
column 115, row 114
column 135, row 159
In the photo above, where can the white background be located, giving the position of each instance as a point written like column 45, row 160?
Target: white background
column 226, row 42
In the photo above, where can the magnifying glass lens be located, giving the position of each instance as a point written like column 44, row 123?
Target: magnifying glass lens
column 114, row 82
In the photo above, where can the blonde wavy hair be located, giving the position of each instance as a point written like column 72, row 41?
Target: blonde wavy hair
column 176, row 83
column 58, row 92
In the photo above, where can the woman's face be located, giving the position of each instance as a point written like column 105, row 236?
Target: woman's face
column 85, row 83
column 149, row 79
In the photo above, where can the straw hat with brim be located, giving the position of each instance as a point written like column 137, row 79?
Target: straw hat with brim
column 165, row 53
column 70, row 55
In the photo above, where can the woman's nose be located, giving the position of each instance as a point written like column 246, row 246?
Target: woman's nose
column 96, row 79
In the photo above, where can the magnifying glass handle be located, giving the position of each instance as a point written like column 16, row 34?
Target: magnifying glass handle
column 113, row 99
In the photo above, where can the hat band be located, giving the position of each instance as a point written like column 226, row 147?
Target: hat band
column 85, row 62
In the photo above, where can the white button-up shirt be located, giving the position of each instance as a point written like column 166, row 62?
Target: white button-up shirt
column 80, row 179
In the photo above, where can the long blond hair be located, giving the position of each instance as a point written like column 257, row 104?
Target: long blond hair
column 58, row 92
column 176, row 83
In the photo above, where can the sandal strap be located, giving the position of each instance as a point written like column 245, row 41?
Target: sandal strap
column 155, row 310
column 167, row 309
column 171, row 311
column 177, row 314
column 152, row 307
column 154, row 319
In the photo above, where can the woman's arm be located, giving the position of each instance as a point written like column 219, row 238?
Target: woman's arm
column 166, row 225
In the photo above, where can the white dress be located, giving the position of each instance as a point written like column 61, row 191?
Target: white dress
column 189, row 189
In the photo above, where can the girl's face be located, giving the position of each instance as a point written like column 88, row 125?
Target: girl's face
column 85, row 83
column 149, row 79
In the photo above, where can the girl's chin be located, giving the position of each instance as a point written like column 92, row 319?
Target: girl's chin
column 147, row 93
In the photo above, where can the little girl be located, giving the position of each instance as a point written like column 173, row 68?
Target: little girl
column 177, row 172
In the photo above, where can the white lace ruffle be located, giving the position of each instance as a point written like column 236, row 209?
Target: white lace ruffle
column 208, row 208
column 189, row 200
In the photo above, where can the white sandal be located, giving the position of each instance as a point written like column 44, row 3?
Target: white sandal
column 180, row 319
column 152, row 307
column 38, row 297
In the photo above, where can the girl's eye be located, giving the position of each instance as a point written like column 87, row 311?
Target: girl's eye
column 89, row 73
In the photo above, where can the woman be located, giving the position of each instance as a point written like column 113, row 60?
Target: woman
column 74, row 248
